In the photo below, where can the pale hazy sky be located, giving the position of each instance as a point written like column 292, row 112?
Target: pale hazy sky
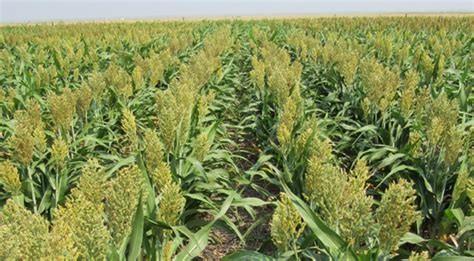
column 15, row 11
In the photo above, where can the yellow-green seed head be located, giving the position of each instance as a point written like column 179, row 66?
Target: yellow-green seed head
column 122, row 194
column 415, row 143
column 395, row 214
column 453, row 145
column 62, row 108
column 171, row 204
column 162, row 176
column 348, row 66
column 138, row 78
column 59, row 151
column 167, row 251
column 84, row 99
column 292, row 111
column 92, row 182
column 97, row 84
column 153, row 150
column 24, row 235
column 410, row 83
column 204, row 102
column 346, row 207
column 435, row 131
column 286, row 225
column 365, row 104
column 79, row 229
column 10, row 99
column 39, row 138
column 201, row 146
column 22, row 143
column 130, row 129
column 462, row 184
column 33, row 110
column 422, row 256
column 10, row 178
column 83, row 223
column 380, row 83
column 258, row 73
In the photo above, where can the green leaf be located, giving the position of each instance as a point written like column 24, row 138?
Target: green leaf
column 390, row 160
column 412, row 239
column 119, row 164
column 199, row 240
column 247, row 255
column 112, row 253
column 136, row 237
column 394, row 171
column 250, row 201
column 330, row 239
column 466, row 227
column 455, row 214
column 451, row 258
column 197, row 243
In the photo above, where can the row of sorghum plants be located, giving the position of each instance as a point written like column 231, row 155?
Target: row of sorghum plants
column 119, row 140
column 381, row 91
column 96, row 218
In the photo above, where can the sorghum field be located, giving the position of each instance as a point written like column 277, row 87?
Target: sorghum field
column 299, row 139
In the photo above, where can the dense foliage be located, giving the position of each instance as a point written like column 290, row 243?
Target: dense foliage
column 348, row 138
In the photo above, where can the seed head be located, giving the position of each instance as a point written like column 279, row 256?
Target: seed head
column 306, row 136
column 348, row 63
column 33, row 111
column 91, row 183
column 10, row 178
column 380, row 83
column 138, row 78
column 395, row 215
column 415, row 143
column 286, row 225
column 258, row 73
column 453, row 145
column 162, row 176
column 156, row 65
column 174, row 111
column 153, row 150
column 171, row 204
column 427, row 65
column 201, row 146
column 410, row 84
column 10, row 99
column 168, row 251
column 62, row 108
column 59, row 152
column 79, row 229
column 292, row 111
column 322, row 150
column 130, row 128
column 435, row 132
column 39, row 138
column 365, row 104
column 84, row 99
column 422, row 256
column 204, row 102
column 122, row 194
column 462, row 184
column 97, row 84
column 2, row 96
column 22, row 143
column 24, row 235
column 440, row 68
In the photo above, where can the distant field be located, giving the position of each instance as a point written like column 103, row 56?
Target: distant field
column 238, row 138
column 252, row 17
